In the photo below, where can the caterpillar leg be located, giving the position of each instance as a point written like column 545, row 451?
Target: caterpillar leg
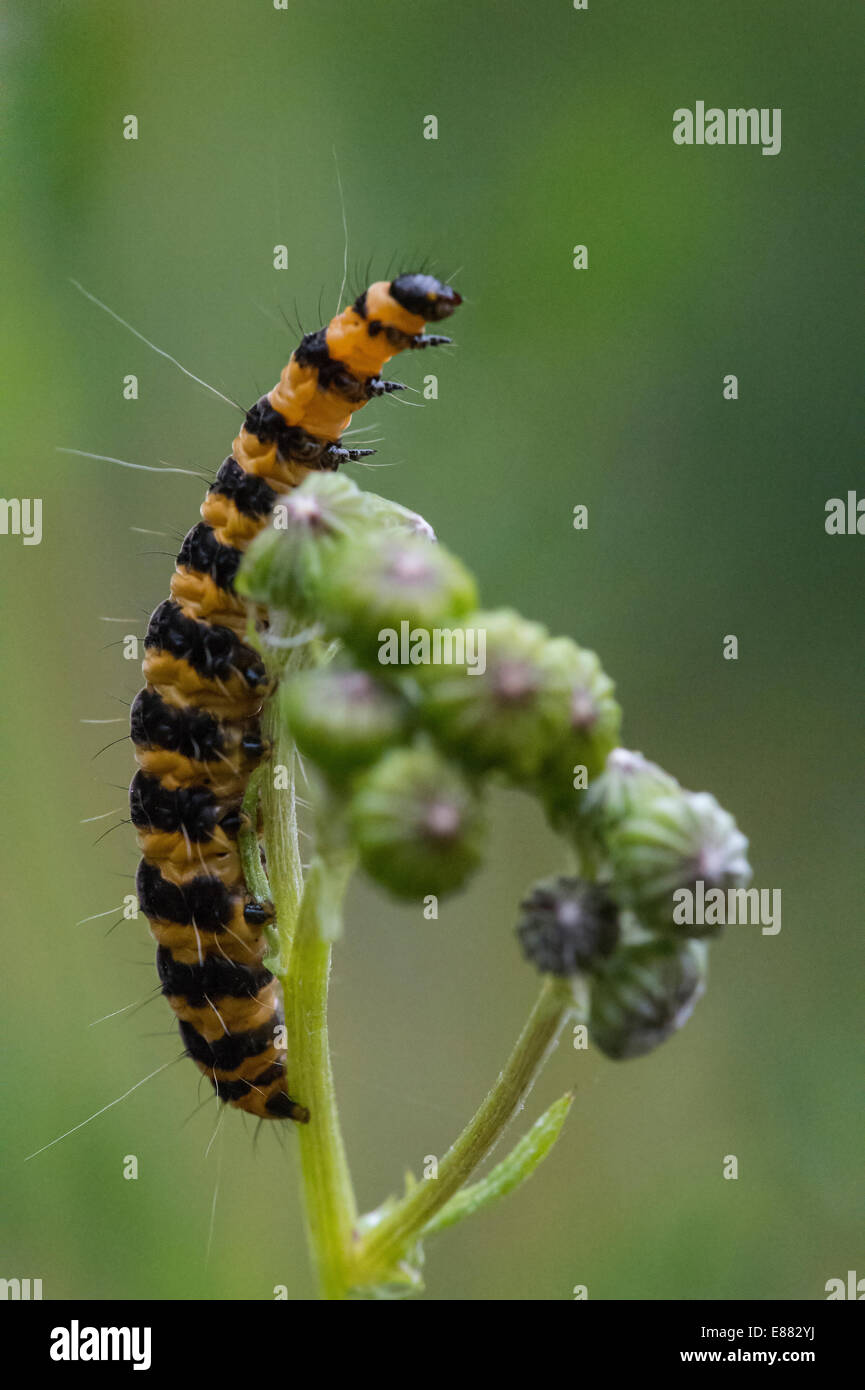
column 425, row 340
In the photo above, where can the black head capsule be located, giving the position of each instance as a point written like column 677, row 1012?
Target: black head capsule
column 425, row 296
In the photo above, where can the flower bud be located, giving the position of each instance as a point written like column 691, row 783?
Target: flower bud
column 567, row 925
column 384, row 512
column 508, row 713
column 284, row 563
column 417, row 823
column 628, row 779
column 671, row 841
column 644, row 994
column 342, row 719
column 383, row 593
column 593, row 723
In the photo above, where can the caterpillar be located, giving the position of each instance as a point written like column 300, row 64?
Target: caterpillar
column 195, row 724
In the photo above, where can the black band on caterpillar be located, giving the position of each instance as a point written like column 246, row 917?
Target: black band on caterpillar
column 234, row 1090
column 195, row 725
column 209, row 649
column 293, row 443
column 252, row 496
column 154, row 723
column 228, row 1052
column 193, row 811
column 215, row 978
column 201, row 551
column 203, row 901
column 193, row 733
column 332, row 375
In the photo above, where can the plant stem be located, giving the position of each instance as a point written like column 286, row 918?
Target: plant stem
column 281, row 842
column 248, row 841
column 387, row 1241
column 307, row 919
column 331, row 1211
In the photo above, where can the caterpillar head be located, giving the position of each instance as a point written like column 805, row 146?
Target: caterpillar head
column 425, row 296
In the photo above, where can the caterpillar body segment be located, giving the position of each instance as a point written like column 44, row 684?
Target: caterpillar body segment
column 336, row 370
column 196, row 723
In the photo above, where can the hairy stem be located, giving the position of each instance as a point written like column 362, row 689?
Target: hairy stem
column 331, row 1211
column 308, row 916
column 281, row 840
column 248, row 841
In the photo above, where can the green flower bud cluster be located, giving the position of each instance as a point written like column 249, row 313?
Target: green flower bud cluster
column 432, row 695
column 653, row 843
column 641, row 988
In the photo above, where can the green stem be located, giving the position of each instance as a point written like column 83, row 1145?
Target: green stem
column 281, row 840
column 331, row 1211
column 387, row 1241
column 308, row 917
column 278, row 789
column 248, row 841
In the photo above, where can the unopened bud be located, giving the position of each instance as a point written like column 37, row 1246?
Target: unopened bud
column 283, row 565
column 628, row 779
column 644, row 994
column 592, row 730
column 671, row 842
column 342, row 719
column 417, row 823
column 510, row 714
column 568, row 926
column 389, row 586
column 386, row 513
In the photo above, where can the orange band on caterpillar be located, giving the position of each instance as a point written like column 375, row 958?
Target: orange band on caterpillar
column 195, row 725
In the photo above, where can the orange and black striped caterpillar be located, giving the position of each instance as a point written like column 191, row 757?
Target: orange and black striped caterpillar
column 195, row 725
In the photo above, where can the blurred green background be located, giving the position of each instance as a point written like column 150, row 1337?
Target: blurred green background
column 601, row 387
